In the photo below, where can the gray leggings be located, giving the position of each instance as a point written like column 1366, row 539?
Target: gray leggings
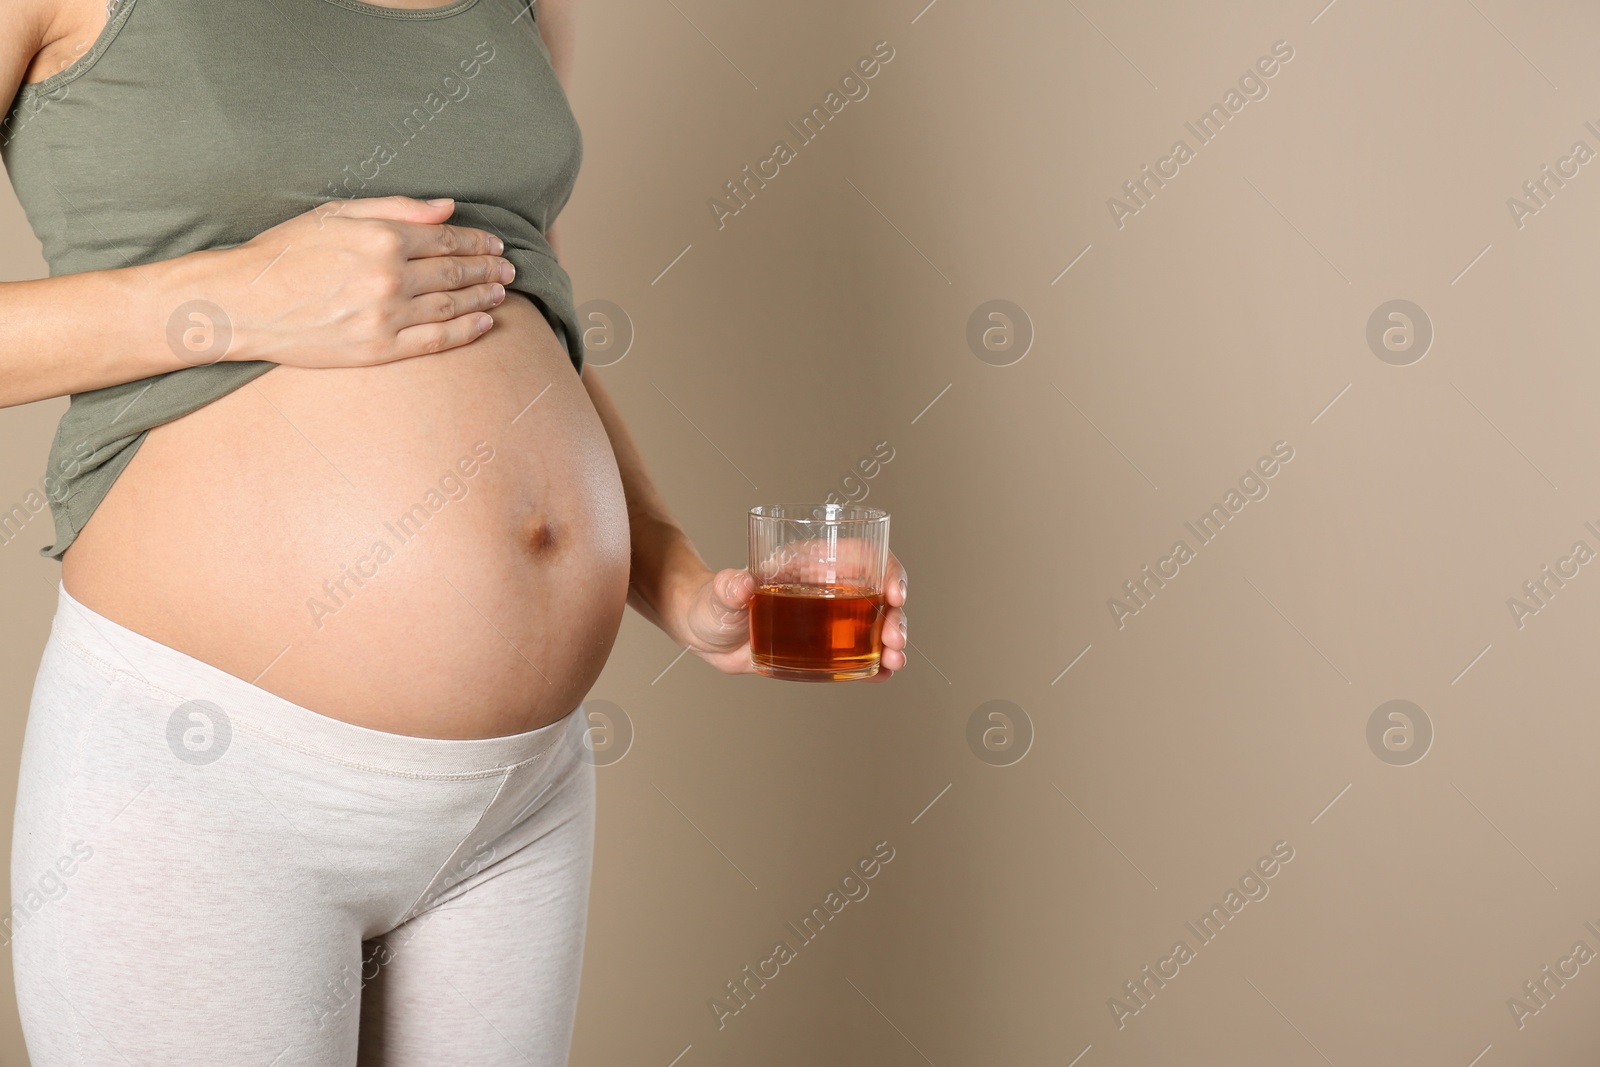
column 205, row 873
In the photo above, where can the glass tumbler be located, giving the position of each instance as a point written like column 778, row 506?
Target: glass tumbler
column 818, row 610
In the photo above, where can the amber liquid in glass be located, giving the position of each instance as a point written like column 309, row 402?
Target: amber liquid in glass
column 816, row 632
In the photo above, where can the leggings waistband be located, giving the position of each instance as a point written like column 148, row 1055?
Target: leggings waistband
column 163, row 671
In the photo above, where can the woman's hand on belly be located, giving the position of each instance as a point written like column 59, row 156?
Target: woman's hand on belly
column 352, row 283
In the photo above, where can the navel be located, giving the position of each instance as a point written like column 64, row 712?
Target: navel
column 539, row 535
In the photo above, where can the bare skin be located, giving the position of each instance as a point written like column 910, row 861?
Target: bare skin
column 245, row 533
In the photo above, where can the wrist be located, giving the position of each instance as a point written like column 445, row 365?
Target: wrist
column 668, row 574
column 200, row 323
column 686, row 584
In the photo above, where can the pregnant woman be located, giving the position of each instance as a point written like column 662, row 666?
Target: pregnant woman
column 346, row 534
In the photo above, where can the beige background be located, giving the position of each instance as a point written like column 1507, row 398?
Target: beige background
column 1232, row 710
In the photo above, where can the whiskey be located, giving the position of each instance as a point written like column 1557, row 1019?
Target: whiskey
column 816, row 632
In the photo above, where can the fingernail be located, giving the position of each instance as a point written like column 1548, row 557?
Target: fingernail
column 497, row 292
column 902, row 624
column 484, row 322
column 508, row 271
column 441, row 201
column 496, row 245
column 902, row 589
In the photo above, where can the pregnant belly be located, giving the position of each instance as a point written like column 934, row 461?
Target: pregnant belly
column 435, row 547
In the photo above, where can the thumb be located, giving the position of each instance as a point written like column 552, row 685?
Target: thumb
column 733, row 588
column 719, row 619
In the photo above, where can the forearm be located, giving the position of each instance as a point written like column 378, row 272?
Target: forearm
column 86, row 331
column 666, row 565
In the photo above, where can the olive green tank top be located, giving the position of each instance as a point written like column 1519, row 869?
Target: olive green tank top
column 197, row 124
